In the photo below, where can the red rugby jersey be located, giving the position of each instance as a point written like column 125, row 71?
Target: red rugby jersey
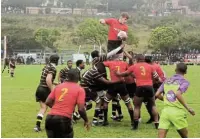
column 66, row 96
column 129, row 79
column 114, row 27
column 114, row 66
column 143, row 73
column 159, row 71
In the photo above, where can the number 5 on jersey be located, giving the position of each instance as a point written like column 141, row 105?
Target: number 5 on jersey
column 64, row 91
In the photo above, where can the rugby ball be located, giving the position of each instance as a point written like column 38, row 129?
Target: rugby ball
column 122, row 35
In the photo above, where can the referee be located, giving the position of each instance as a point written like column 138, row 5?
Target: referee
column 63, row 100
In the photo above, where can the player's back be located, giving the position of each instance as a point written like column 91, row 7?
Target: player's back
column 66, row 97
column 48, row 69
column 91, row 75
column 143, row 73
column 63, row 73
column 114, row 66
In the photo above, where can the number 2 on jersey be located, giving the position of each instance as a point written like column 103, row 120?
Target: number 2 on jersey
column 118, row 68
column 143, row 71
column 64, row 91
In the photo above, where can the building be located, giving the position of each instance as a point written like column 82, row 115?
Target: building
column 76, row 11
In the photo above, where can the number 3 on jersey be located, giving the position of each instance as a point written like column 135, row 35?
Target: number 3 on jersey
column 64, row 91
column 118, row 68
column 143, row 71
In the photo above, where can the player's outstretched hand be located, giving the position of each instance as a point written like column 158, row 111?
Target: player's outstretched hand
column 87, row 126
column 191, row 111
column 123, row 45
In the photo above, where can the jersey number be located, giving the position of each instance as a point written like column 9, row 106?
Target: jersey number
column 64, row 91
column 143, row 71
column 118, row 68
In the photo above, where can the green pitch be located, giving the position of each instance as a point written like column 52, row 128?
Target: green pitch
column 19, row 109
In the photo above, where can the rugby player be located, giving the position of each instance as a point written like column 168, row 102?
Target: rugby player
column 156, row 84
column 115, row 26
column 93, row 81
column 131, row 88
column 63, row 72
column 80, row 65
column 175, row 107
column 45, row 87
column 62, row 101
column 143, row 73
column 6, row 64
column 120, row 66
column 12, row 67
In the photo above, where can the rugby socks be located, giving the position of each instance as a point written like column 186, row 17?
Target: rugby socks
column 131, row 115
column 135, row 126
column 114, row 107
column 101, row 115
column 39, row 119
column 12, row 74
column 105, row 114
column 156, row 125
column 96, row 114
column 119, row 109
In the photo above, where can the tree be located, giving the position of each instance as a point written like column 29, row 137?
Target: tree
column 163, row 39
column 92, row 31
column 132, row 39
column 47, row 37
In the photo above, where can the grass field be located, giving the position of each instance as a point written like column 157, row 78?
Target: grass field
column 19, row 109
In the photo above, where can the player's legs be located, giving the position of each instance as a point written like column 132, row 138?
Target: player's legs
column 183, row 133
column 107, row 99
column 162, row 133
column 154, row 112
column 4, row 68
column 137, row 103
column 116, row 107
column 125, row 96
column 148, row 93
column 97, row 111
column 148, row 105
column 127, row 101
column 11, row 72
column 43, row 109
column 41, row 96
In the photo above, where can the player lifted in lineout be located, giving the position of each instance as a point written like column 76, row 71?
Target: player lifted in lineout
column 117, row 32
column 45, row 87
